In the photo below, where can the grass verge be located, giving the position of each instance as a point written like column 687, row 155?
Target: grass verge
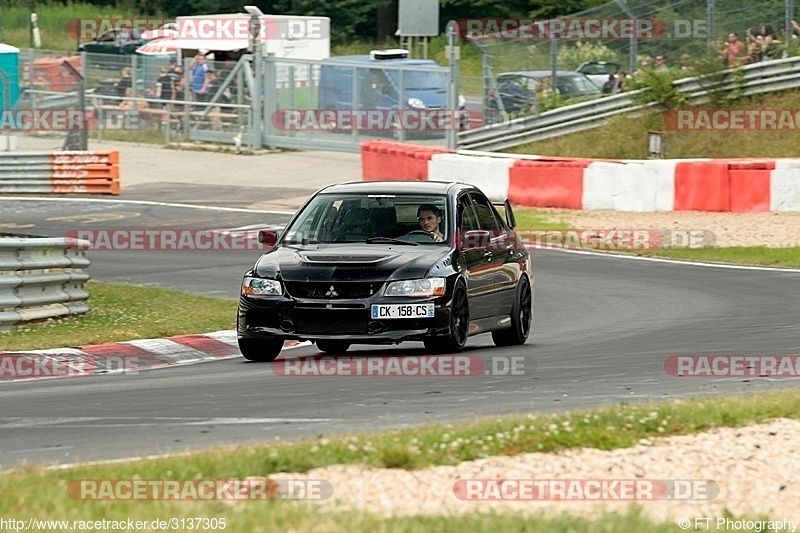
column 625, row 137
column 34, row 491
column 127, row 312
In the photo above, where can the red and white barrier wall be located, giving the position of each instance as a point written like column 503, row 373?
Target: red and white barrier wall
column 738, row 185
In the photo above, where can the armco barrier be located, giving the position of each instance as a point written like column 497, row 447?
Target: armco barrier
column 41, row 278
column 725, row 185
column 77, row 172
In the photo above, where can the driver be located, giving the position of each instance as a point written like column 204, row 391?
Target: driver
column 429, row 217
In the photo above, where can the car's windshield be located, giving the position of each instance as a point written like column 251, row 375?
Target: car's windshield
column 371, row 218
column 419, row 80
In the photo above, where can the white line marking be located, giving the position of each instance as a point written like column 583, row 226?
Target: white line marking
column 147, row 202
column 664, row 260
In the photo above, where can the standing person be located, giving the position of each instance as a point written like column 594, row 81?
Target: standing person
column 735, row 53
column 661, row 63
column 198, row 69
column 619, row 82
column 165, row 86
column 125, row 82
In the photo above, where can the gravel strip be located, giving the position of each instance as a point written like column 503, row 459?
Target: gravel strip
column 730, row 229
column 755, row 467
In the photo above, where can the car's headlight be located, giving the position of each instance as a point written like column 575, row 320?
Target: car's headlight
column 416, row 287
column 261, row 287
column 416, row 103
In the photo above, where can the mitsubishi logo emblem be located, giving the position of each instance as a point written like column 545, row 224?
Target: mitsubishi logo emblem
column 331, row 292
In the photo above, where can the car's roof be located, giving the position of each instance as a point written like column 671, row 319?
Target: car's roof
column 389, row 62
column 397, row 187
column 543, row 72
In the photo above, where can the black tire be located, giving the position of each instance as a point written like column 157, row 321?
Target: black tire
column 521, row 316
column 260, row 350
column 333, row 347
column 458, row 331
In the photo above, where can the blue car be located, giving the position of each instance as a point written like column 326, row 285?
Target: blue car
column 388, row 81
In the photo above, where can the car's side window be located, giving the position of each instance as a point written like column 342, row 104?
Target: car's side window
column 485, row 213
column 466, row 216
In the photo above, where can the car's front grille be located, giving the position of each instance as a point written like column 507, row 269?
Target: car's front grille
column 332, row 290
column 331, row 321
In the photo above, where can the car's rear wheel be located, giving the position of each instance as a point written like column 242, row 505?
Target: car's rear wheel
column 520, row 317
column 260, row 350
column 456, row 337
column 333, row 347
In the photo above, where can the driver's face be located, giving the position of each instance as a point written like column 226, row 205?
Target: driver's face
column 429, row 221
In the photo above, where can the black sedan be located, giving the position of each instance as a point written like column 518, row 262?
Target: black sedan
column 386, row 262
column 112, row 49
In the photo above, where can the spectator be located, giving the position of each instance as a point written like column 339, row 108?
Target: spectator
column 131, row 104
column 755, row 50
column 125, row 82
column 165, row 86
column 619, row 86
column 686, row 62
column 608, row 86
column 735, row 53
column 644, row 64
column 772, row 47
column 661, row 63
column 198, row 68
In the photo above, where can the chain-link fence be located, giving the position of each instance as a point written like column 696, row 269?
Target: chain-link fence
column 335, row 103
column 682, row 32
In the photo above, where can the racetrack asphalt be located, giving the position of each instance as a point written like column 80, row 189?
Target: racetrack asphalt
column 603, row 328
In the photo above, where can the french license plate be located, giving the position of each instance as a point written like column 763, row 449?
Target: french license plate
column 402, row 311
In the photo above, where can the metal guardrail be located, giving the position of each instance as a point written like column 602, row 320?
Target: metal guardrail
column 41, row 278
column 758, row 78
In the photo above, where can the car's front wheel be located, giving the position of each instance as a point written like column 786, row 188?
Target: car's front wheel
column 456, row 337
column 260, row 350
column 333, row 347
column 520, row 317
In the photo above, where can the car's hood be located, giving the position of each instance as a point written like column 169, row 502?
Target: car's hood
column 344, row 262
column 432, row 98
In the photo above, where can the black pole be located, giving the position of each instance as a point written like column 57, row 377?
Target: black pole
column 83, row 134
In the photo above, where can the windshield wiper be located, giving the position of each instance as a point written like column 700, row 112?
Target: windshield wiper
column 388, row 240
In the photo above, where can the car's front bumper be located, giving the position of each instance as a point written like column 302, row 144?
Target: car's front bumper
column 349, row 320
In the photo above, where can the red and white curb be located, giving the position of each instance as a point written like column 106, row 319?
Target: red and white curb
column 121, row 357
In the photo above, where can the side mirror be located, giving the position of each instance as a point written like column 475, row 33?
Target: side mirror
column 511, row 220
column 268, row 237
column 475, row 239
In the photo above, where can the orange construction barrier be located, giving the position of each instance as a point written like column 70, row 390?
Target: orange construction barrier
column 702, row 186
column 385, row 160
column 542, row 183
column 750, row 185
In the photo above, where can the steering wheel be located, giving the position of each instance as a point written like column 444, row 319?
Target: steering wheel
column 419, row 232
